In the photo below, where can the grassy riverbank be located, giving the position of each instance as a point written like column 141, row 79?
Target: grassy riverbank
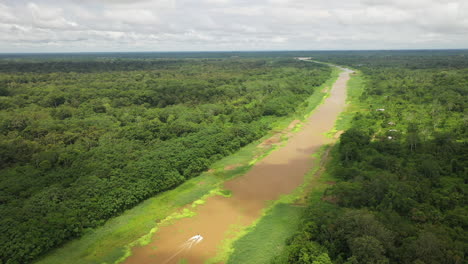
column 355, row 89
column 262, row 241
column 268, row 236
column 112, row 241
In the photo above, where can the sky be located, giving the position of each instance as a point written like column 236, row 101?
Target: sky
column 231, row 25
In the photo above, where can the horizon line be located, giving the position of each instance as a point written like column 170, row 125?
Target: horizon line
column 232, row 51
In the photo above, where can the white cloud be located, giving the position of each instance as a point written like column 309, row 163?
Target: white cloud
column 49, row 17
column 6, row 14
column 135, row 25
column 131, row 16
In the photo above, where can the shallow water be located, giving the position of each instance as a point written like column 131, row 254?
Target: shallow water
column 277, row 174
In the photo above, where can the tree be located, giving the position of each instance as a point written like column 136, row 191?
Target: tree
column 368, row 250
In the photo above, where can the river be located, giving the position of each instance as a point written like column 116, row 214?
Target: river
column 277, row 174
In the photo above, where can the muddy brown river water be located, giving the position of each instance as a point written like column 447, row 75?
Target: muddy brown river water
column 277, row 174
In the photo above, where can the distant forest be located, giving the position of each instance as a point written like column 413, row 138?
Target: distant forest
column 81, row 140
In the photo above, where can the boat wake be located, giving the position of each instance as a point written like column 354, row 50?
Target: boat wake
column 187, row 245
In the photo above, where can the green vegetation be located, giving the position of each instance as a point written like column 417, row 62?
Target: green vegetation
column 261, row 242
column 82, row 141
column 84, row 138
column 110, row 242
column 318, row 97
column 113, row 240
column 232, row 245
column 354, row 92
column 401, row 170
column 268, row 236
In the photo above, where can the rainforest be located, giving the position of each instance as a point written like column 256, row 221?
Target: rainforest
column 158, row 142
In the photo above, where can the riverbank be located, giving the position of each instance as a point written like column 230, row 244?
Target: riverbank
column 258, row 245
column 112, row 241
column 279, row 173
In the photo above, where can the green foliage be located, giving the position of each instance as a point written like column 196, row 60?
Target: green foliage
column 82, row 141
column 300, row 249
column 267, row 236
column 113, row 240
column 401, row 168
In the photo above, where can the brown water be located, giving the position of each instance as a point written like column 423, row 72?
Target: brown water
column 277, row 174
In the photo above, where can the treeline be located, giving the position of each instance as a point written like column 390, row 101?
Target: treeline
column 408, row 59
column 398, row 58
column 81, row 65
column 402, row 172
column 80, row 145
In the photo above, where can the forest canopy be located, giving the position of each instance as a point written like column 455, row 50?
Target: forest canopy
column 83, row 140
column 85, row 136
column 401, row 169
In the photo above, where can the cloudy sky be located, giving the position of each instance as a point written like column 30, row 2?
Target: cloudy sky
column 203, row 25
